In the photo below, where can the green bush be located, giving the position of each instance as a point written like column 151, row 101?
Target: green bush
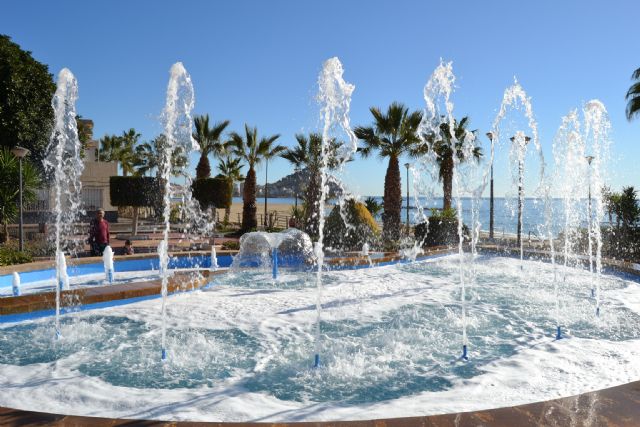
column 11, row 256
column 362, row 227
column 442, row 229
column 135, row 191
column 231, row 245
column 213, row 192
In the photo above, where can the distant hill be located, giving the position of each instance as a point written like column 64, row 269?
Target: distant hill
column 290, row 185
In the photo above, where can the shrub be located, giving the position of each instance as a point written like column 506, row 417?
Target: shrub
column 213, row 192
column 231, row 245
column 135, row 191
column 362, row 227
column 442, row 229
column 11, row 256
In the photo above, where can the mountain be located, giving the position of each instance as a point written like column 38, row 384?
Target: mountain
column 290, row 185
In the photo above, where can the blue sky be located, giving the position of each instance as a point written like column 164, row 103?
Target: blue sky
column 257, row 61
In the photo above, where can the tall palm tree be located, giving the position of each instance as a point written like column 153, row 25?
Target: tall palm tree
column 231, row 168
column 209, row 140
column 252, row 151
column 633, row 96
column 120, row 149
column 307, row 155
column 392, row 135
column 444, row 147
column 273, row 151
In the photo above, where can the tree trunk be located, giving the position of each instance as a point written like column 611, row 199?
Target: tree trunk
column 447, row 182
column 203, row 169
column 4, row 236
column 227, row 214
column 266, row 172
column 392, row 202
column 249, row 219
column 312, row 199
column 134, row 225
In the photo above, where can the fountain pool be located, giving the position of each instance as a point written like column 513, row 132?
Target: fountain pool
column 241, row 349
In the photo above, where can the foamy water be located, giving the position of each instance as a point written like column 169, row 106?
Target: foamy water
column 242, row 349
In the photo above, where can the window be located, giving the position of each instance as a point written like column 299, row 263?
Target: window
column 92, row 198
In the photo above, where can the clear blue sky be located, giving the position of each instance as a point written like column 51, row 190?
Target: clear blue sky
column 257, row 61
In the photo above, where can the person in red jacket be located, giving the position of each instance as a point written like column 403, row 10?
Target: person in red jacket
column 98, row 234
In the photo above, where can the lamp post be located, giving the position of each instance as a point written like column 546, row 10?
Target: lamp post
column 407, row 165
column 20, row 152
column 523, row 140
column 490, row 136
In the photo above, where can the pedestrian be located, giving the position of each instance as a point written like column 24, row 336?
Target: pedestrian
column 98, row 234
column 128, row 248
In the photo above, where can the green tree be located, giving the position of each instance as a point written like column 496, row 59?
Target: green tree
column 444, row 147
column 209, row 140
column 121, row 149
column 26, row 90
column 146, row 158
column 307, row 155
column 373, row 206
column 633, row 96
column 10, row 187
column 231, row 168
column 252, row 151
column 392, row 135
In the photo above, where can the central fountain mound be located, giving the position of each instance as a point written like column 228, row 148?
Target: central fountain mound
column 269, row 251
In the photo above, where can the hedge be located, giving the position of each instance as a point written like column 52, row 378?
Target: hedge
column 137, row 191
column 213, row 192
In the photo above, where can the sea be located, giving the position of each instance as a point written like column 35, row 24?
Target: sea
column 505, row 213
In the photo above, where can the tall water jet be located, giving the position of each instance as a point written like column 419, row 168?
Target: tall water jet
column 440, row 127
column 515, row 98
column 64, row 162
column 177, row 139
column 597, row 127
column 334, row 96
column 569, row 154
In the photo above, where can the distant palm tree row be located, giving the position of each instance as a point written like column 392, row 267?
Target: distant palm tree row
column 393, row 134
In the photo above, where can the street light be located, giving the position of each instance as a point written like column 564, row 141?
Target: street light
column 490, row 136
column 520, row 137
column 20, row 152
column 407, row 165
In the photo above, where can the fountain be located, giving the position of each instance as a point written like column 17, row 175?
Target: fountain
column 64, row 162
column 214, row 259
column 107, row 259
column 263, row 251
column 177, row 132
column 387, row 333
column 15, row 286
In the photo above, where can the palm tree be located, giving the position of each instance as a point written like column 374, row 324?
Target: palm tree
column 373, row 206
column 146, row 158
column 307, row 155
column 10, row 187
column 268, row 155
column 392, row 135
column 209, row 140
column 633, row 96
column 444, row 147
column 252, row 151
column 120, row 149
column 231, row 168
